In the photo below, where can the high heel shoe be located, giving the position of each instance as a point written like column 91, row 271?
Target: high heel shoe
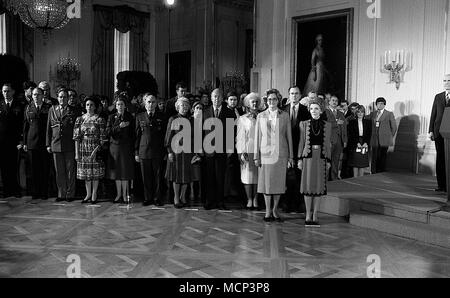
column 118, row 200
column 86, row 201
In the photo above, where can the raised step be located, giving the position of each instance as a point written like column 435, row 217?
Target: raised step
column 403, row 228
column 440, row 219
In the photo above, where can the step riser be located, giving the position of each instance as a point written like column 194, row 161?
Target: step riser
column 436, row 220
column 390, row 211
column 427, row 235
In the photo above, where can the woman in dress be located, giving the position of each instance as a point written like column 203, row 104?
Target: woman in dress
column 196, row 185
column 273, row 153
column 120, row 167
column 317, row 79
column 89, row 135
column 359, row 136
column 179, row 166
column 245, row 144
column 314, row 154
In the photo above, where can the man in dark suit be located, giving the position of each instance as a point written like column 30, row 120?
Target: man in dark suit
column 170, row 110
column 217, row 155
column 60, row 125
column 233, row 186
column 149, row 147
column 297, row 113
column 338, row 136
column 34, row 136
column 11, row 123
column 384, row 129
column 441, row 101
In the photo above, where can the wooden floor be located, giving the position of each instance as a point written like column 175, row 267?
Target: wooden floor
column 111, row 241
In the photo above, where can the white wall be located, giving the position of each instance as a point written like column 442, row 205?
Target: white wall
column 418, row 26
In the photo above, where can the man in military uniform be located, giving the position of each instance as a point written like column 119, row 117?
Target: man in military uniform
column 150, row 132
column 11, row 122
column 34, row 137
column 60, row 124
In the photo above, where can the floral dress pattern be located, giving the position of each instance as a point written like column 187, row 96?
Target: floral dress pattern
column 90, row 132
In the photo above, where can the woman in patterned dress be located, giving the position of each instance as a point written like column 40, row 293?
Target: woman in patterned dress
column 245, row 142
column 314, row 154
column 179, row 166
column 89, row 135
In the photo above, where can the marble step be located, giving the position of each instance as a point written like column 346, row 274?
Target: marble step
column 426, row 233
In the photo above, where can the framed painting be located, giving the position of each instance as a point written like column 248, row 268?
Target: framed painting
column 322, row 53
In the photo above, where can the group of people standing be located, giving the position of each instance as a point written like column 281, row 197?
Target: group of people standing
column 278, row 150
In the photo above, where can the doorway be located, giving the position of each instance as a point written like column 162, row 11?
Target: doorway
column 180, row 71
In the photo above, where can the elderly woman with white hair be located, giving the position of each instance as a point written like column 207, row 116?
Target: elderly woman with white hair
column 245, row 143
column 179, row 166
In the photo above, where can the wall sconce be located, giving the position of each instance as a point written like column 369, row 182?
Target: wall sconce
column 396, row 66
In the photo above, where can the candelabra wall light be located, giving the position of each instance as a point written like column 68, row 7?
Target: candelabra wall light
column 67, row 73
column 396, row 65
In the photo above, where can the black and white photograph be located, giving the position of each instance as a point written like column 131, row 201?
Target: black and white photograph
column 224, row 147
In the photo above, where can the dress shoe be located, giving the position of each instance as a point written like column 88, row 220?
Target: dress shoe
column 59, row 200
column 118, row 201
column 147, row 203
column 278, row 219
column 94, row 202
column 208, row 207
column 268, row 219
column 69, row 200
column 159, row 203
column 223, row 207
column 44, row 198
column 86, row 201
column 178, row 206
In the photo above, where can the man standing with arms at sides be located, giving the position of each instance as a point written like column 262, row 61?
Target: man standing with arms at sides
column 60, row 124
column 384, row 129
column 149, row 147
column 441, row 102
column 338, row 135
column 297, row 113
column 216, row 162
column 34, row 139
column 45, row 86
column 11, row 123
column 170, row 105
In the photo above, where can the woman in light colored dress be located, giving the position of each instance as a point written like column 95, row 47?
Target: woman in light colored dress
column 314, row 154
column 90, row 135
column 273, row 153
column 245, row 144
column 179, row 164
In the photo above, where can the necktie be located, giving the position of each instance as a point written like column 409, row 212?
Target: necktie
column 448, row 100
column 294, row 115
column 378, row 115
column 38, row 109
column 217, row 113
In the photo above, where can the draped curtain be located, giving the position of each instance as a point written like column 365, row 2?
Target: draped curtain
column 19, row 37
column 124, row 19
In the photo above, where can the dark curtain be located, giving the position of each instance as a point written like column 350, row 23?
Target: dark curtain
column 19, row 37
column 124, row 19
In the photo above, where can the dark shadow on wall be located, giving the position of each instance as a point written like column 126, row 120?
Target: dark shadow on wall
column 406, row 153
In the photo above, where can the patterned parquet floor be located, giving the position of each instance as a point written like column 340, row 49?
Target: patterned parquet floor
column 113, row 241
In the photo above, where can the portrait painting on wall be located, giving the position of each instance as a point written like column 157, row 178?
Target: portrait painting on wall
column 322, row 52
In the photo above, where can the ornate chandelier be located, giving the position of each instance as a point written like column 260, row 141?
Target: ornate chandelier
column 44, row 15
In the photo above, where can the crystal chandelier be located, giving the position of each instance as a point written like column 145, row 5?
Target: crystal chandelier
column 44, row 15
